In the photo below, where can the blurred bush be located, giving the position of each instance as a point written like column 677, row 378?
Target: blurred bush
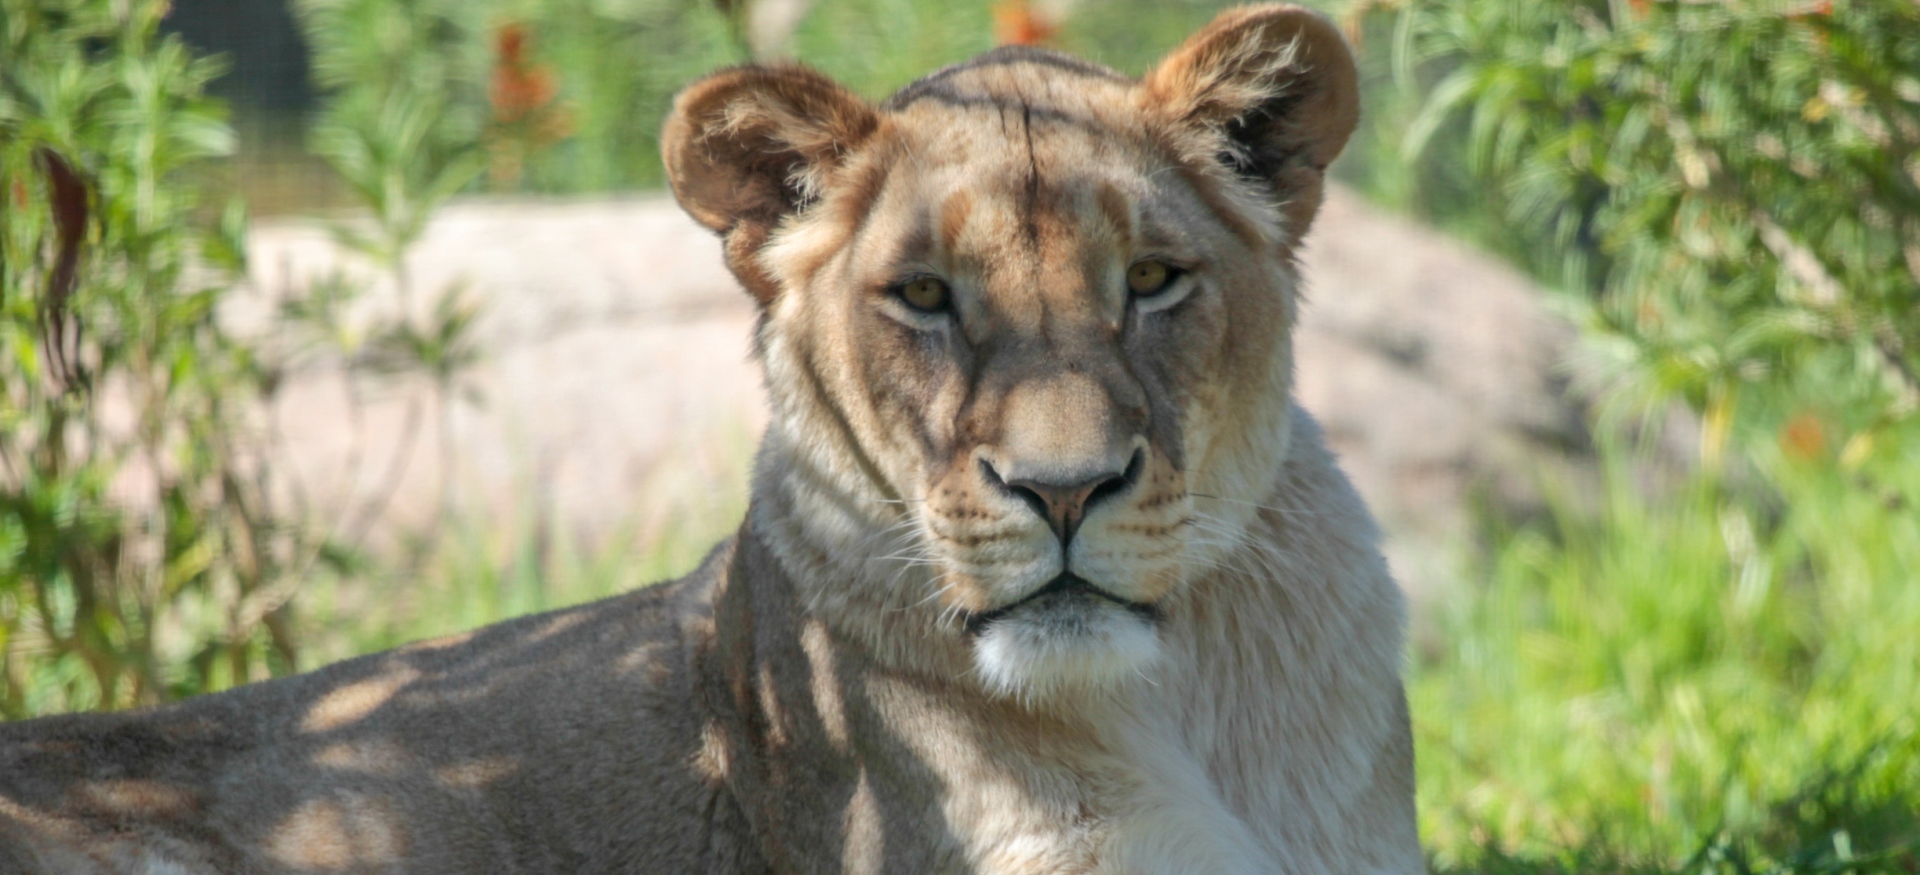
column 1733, row 186
column 148, row 550
column 552, row 95
column 141, row 554
column 567, row 96
column 1715, row 675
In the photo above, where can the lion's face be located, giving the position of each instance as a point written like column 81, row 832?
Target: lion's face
column 1040, row 332
column 1035, row 314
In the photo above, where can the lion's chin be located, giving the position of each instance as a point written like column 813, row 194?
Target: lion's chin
column 1061, row 644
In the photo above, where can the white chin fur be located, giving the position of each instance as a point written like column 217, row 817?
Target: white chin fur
column 1062, row 646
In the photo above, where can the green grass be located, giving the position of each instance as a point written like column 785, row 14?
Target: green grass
column 1715, row 678
column 481, row 571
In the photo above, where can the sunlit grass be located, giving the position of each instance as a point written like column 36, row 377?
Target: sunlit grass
column 483, row 571
column 1703, row 678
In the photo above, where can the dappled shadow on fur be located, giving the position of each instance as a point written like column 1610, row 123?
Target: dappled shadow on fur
column 562, row 742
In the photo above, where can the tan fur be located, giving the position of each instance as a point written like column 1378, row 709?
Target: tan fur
column 864, row 679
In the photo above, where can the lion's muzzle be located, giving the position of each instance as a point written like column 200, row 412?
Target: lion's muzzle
column 1065, row 590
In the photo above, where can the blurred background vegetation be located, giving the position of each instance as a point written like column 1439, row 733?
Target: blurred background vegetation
column 1715, row 674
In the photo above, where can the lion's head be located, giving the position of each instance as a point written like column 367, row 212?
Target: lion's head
column 1025, row 326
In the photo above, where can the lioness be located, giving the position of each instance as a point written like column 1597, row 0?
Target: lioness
column 1043, row 571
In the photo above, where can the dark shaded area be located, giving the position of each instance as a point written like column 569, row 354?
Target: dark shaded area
column 272, row 96
column 261, row 41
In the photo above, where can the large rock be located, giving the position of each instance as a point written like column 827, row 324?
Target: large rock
column 1437, row 373
column 617, row 375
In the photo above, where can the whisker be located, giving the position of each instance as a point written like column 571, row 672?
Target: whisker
column 915, row 553
column 1295, row 511
column 937, row 592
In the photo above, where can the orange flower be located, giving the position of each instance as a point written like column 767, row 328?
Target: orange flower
column 1816, row 8
column 521, row 89
column 1015, row 23
column 1804, row 437
column 526, row 115
column 510, row 43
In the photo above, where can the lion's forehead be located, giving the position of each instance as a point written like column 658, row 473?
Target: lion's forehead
column 1011, row 111
column 964, row 181
column 1011, row 140
column 1038, row 80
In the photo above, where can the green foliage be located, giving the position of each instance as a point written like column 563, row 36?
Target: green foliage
column 615, row 67
column 876, row 46
column 1714, row 665
column 147, row 550
column 569, row 95
column 1718, row 677
column 1736, row 185
column 1130, row 35
column 551, row 95
column 141, row 555
column 400, row 125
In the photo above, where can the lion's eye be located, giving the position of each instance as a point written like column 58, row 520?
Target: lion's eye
column 926, row 293
column 1149, row 278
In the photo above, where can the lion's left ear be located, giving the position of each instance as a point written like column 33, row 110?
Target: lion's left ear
column 1271, row 91
column 747, row 147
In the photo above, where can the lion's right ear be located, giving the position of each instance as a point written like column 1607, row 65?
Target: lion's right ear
column 747, row 147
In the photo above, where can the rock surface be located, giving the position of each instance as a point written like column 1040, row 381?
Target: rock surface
column 617, row 372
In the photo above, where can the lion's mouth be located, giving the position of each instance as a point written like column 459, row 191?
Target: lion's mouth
column 1066, row 587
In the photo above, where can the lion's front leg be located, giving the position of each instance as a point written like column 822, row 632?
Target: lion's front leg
column 1210, row 841
column 1174, row 820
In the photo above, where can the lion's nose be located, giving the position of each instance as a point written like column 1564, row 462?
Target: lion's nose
column 1063, row 501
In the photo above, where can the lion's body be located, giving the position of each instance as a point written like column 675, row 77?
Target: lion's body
column 1043, row 571
column 554, row 743
column 630, row 736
